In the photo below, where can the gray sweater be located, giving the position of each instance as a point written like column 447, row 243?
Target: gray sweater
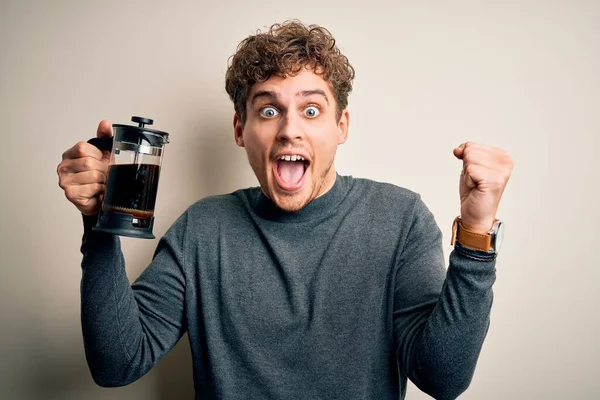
column 343, row 299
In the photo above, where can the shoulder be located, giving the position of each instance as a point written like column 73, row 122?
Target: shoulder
column 221, row 206
column 215, row 204
column 208, row 215
column 401, row 207
column 384, row 193
column 382, row 205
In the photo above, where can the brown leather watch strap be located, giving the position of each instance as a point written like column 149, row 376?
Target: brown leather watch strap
column 473, row 240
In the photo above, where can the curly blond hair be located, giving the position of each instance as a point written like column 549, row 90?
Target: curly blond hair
column 284, row 50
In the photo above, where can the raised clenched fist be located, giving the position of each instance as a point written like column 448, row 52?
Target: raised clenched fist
column 485, row 173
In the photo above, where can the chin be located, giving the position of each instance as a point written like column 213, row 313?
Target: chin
column 288, row 201
column 291, row 203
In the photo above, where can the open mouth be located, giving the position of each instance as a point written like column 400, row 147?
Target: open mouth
column 290, row 170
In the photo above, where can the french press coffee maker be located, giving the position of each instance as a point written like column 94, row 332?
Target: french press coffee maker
column 132, row 181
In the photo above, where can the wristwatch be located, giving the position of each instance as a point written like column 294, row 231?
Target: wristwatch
column 488, row 242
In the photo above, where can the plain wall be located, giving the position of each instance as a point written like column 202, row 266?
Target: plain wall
column 521, row 75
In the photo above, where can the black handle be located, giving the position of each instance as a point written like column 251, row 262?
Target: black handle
column 103, row 143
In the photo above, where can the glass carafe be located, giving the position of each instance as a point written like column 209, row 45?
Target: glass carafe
column 132, row 182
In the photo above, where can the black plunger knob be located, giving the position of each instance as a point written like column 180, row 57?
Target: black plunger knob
column 142, row 121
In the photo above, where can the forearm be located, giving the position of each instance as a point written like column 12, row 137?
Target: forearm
column 109, row 312
column 446, row 351
column 126, row 329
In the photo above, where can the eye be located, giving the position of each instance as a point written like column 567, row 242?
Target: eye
column 312, row 111
column 269, row 112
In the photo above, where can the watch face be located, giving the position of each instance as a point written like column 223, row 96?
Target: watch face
column 499, row 237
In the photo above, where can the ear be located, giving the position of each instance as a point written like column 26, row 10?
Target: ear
column 238, row 131
column 343, row 126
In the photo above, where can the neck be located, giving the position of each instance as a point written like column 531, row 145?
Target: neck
column 316, row 209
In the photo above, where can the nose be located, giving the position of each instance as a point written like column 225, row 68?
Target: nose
column 290, row 129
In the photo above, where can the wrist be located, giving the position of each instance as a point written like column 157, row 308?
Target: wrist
column 474, row 254
column 480, row 226
column 489, row 241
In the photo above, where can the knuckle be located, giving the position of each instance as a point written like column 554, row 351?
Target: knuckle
column 98, row 188
column 62, row 169
column 99, row 176
column 87, row 163
column 505, row 163
column 80, row 148
column 63, row 182
column 510, row 162
column 70, row 192
column 499, row 181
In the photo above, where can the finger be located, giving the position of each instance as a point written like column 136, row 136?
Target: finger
column 467, row 179
column 473, row 175
column 82, row 149
column 465, row 147
column 91, row 206
column 106, row 156
column 83, row 178
column 104, row 129
column 461, row 148
column 458, row 151
column 73, row 166
column 480, row 156
column 80, row 195
column 489, row 157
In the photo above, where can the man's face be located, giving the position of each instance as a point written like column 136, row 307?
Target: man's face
column 291, row 136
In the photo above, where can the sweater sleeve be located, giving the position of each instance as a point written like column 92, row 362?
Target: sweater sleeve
column 441, row 317
column 127, row 328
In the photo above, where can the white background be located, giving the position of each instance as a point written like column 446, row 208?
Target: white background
column 521, row 75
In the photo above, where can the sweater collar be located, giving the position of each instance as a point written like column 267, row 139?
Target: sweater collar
column 318, row 208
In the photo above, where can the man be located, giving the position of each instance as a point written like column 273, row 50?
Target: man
column 312, row 286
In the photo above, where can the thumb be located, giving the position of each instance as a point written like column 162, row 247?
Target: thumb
column 104, row 129
column 459, row 151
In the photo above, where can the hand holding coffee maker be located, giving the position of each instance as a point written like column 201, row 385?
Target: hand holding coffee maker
column 116, row 178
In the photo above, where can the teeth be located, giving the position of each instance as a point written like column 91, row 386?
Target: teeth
column 292, row 158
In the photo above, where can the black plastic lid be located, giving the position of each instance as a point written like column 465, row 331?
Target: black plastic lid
column 132, row 133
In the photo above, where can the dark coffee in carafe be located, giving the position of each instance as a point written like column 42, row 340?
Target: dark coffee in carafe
column 132, row 179
column 131, row 189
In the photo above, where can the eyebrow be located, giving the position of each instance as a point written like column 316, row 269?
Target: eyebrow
column 303, row 93
column 263, row 93
column 306, row 93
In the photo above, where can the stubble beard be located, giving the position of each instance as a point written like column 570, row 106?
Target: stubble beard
column 316, row 188
column 300, row 203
